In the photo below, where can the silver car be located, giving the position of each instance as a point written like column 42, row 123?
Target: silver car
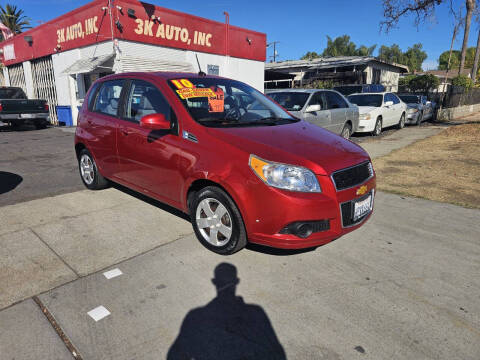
column 419, row 108
column 326, row 108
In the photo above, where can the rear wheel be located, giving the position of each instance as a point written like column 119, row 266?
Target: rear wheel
column 346, row 131
column 378, row 127
column 217, row 222
column 89, row 173
column 401, row 122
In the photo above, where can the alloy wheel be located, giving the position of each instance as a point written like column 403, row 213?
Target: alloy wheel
column 86, row 169
column 214, row 222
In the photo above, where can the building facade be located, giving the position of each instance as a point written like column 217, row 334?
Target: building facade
column 60, row 59
column 341, row 70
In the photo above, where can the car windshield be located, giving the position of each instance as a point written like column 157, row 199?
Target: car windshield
column 366, row 100
column 292, row 101
column 12, row 93
column 217, row 102
column 410, row 99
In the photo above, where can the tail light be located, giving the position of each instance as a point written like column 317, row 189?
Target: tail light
column 45, row 107
column 1, row 107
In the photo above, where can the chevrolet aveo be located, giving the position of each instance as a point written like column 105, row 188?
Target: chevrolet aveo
column 242, row 167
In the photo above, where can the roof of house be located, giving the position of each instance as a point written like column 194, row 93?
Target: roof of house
column 451, row 73
column 329, row 62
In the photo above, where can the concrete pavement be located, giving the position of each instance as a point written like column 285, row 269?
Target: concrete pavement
column 404, row 286
column 384, row 145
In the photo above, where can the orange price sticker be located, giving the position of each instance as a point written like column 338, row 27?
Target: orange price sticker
column 216, row 103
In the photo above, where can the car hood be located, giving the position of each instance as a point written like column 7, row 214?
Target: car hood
column 366, row 109
column 300, row 143
column 413, row 105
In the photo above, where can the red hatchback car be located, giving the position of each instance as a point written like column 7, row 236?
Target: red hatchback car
column 221, row 151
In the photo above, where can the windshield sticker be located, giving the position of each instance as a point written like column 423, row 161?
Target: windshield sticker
column 216, row 102
column 188, row 93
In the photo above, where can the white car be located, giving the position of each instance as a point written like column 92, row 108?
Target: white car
column 378, row 111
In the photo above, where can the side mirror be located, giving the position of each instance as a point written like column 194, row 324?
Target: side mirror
column 155, row 122
column 388, row 103
column 313, row 108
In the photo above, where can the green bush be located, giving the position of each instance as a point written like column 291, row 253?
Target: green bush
column 463, row 81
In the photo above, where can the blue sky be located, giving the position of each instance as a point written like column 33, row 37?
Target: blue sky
column 300, row 26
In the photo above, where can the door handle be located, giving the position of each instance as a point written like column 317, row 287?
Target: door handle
column 90, row 122
column 125, row 132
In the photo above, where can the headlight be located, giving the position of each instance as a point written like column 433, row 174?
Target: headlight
column 283, row 176
column 364, row 117
column 412, row 110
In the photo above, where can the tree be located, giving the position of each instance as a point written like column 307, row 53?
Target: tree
column 473, row 74
column 419, row 83
column 310, row 55
column 470, row 4
column 342, row 46
column 413, row 57
column 392, row 54
column 393, row 10
column 14, row 19
column 455, row 60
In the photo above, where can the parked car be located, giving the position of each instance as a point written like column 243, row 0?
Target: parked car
column 325, row 108
column 359, row 88
column 419, row 108
column 378, row 111
column 243, row 173
column 16, row 109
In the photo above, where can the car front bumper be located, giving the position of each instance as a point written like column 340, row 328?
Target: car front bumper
column 271, row 210
column 412, row 117
column 366, row 125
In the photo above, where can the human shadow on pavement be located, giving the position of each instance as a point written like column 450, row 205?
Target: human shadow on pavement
column 226, row 328
column 9, row 181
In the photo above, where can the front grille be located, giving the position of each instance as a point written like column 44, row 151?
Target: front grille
column 352, row 176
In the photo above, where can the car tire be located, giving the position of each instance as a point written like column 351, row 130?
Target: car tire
column 212, row 208
column 419, row 119
column 89, row 173
column 401, row 122
column 346, row 131
column 378, row 127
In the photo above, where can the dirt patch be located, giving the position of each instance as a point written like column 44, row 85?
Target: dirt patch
column 444, row 167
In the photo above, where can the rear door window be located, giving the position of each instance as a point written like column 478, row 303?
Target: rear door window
column 335, row 101
column 318, row 99
column 108, row 97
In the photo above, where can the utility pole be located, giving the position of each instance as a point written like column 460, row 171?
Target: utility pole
column 274, row 43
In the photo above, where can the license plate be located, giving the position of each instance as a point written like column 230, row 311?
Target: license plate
column 26, row 116
column 362, row 207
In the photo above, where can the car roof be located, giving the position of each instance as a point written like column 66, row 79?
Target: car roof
column 310, row 91
column 167, row 75
column 372, row 93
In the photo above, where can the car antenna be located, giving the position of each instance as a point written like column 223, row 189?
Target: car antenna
column 200, row 72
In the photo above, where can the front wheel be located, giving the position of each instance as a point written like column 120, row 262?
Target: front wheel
column 401, row 122
column 419, row 119
column 89, row 173
column 346, row 131
column 217, row 222
column 378, row 127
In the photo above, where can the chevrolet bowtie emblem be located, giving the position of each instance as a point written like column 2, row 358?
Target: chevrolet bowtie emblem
column 362, row 190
